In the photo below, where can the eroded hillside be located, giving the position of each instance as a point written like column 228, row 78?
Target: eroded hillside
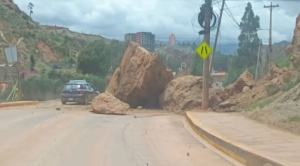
column 47, row 44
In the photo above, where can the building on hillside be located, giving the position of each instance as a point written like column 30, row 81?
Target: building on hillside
column 172, row 40
column 144, row 39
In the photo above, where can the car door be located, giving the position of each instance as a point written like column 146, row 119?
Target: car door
column 92, row 91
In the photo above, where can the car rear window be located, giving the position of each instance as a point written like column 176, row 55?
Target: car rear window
column 74, row 87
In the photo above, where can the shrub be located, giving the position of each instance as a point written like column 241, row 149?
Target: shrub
column 295, row 118
column 41, row 88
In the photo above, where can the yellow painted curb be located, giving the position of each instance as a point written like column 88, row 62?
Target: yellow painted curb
column 240, row 152
column 17, row 103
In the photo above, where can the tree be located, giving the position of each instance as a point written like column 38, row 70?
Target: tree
column 30, row 7
column 248, row 39
column 197, row 66
column 221, row 62
column 32, row 63
column 248, row 46
column 94, row 59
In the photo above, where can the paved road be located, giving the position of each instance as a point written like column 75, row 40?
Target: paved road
column 40, row 135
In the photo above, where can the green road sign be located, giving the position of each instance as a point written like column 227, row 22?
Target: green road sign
column 203, row 50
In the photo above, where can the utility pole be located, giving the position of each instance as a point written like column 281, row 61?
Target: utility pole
column 270, row 32
column 217, row 35
column 257, row 62
column 206, row 74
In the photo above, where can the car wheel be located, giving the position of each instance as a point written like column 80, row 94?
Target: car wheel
column 63, row 102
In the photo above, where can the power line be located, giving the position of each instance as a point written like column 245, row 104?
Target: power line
column 228, row 12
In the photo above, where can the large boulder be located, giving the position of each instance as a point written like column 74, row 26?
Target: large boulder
column 140, row 79
column 106, row 103
column 295, row 45
column 182, row 93
column 246, row 79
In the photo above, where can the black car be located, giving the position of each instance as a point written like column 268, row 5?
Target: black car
column 78, row 91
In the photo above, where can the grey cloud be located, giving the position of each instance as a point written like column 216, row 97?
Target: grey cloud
column 114, row 18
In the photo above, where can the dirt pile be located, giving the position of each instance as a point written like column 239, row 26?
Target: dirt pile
column 106, row 103
column 185, row 93
column 243, row 92
column 140, row 79
column 182, row 93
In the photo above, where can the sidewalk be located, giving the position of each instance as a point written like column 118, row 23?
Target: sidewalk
column 17, row 103
column 245, row 140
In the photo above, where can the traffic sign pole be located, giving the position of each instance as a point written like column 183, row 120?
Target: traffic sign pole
column 206, row 61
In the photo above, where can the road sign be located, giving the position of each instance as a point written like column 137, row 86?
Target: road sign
column 11, row 54
column 203, row 50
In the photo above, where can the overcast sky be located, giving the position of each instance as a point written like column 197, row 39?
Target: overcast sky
column 113, row 18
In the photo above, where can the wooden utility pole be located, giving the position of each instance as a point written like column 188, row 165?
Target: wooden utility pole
column 216, row 39
column 258, row 57
column 270, row 32
column 206, row 74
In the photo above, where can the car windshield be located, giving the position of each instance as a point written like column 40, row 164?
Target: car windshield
column 73, row 87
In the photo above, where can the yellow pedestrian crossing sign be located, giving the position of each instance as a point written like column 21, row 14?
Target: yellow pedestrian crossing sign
column 203, row 50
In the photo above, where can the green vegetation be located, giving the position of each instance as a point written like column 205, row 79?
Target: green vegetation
column 283, row 61
column 221, row 62
column 261, row 104
column 295, row 118
column 42, row 47
column 289, row 85
column 49, row 86
column 98, row 57
column 197, row 66
column 248, row 46
column 32, row 63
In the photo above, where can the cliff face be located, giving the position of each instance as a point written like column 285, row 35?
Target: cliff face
column 295, row 45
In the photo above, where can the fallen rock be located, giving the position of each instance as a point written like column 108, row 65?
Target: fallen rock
column 140, row 79
column 216, row 97
column 246, row 79
column 182, row 93
column 106, row 103
column 226, row 104
column 246, row 89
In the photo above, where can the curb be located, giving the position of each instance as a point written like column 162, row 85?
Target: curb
column 17, row 103
column 240, row 152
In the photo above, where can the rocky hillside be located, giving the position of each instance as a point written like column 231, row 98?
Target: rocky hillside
column 294, row 47
column 48, row 44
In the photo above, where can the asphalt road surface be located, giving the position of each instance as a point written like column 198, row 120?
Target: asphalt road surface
column 40, row 135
